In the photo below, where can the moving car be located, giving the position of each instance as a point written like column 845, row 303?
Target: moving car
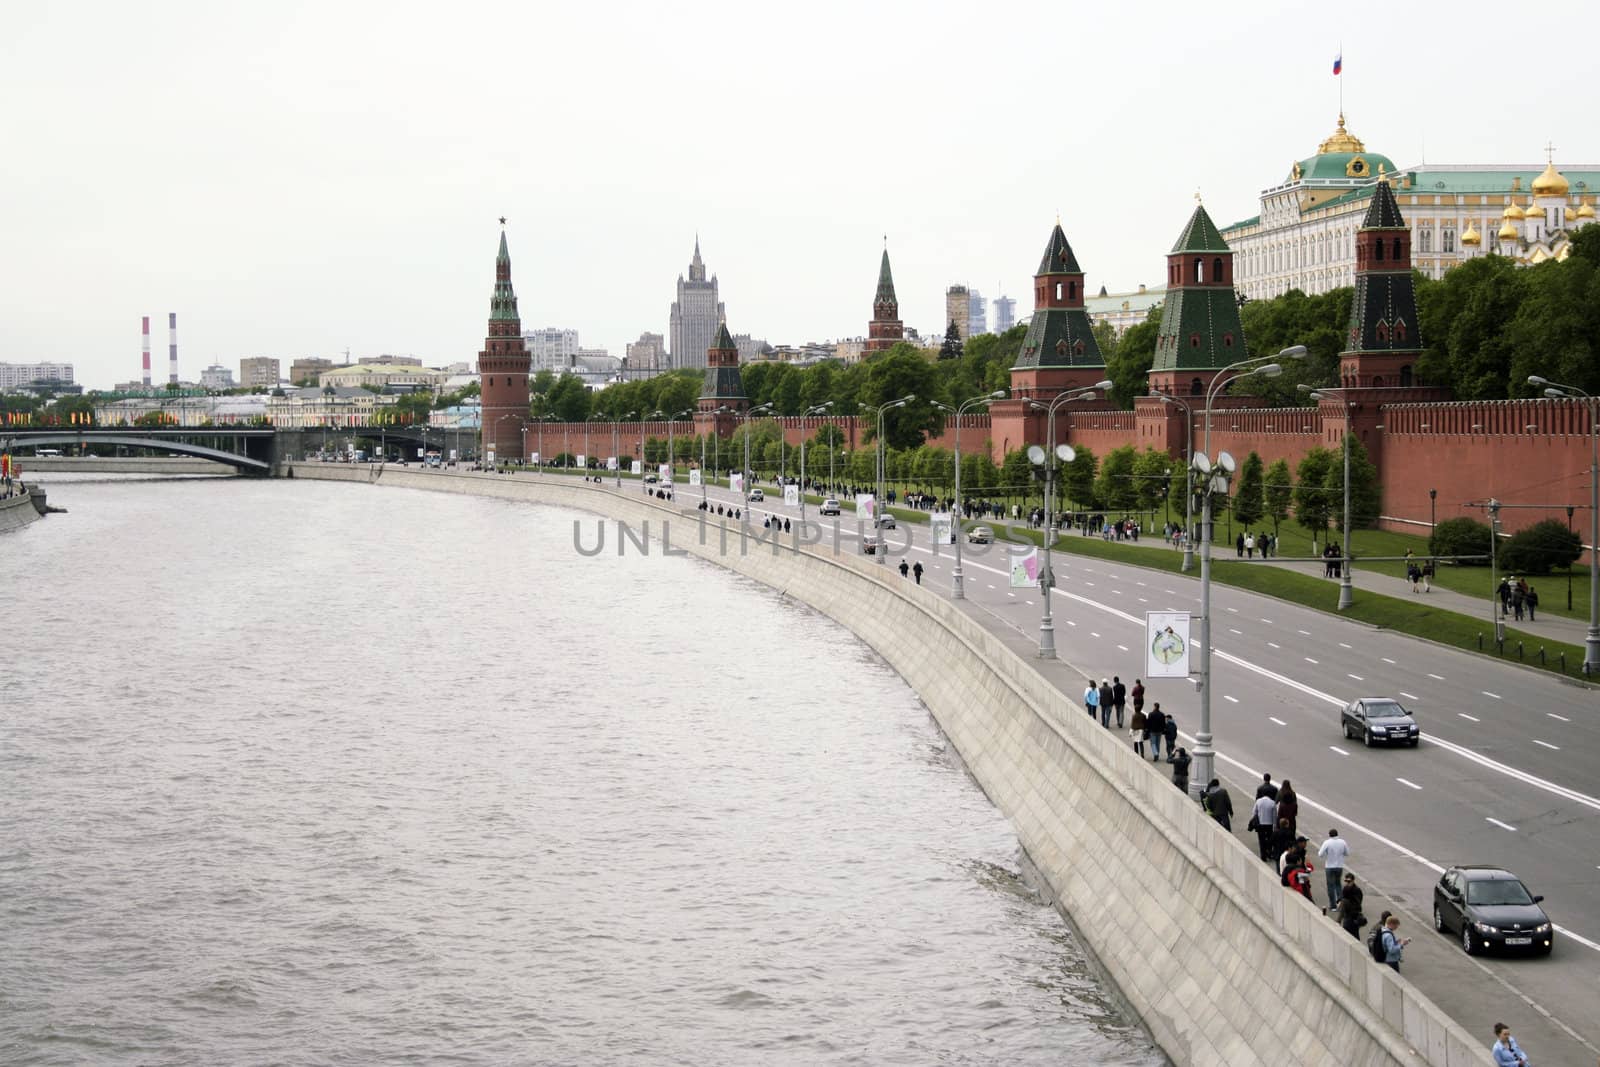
column 886, row 522
column 1490, row 908
column 756, row 496
column 830, row 506
column 869, row 544
column 651, row 479
column 1379, row 720
column 980, row 535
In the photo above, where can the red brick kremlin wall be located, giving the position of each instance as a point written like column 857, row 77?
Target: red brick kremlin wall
column 1518, row 451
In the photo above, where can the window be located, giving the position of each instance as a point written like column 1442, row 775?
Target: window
column 1405, row 376
column 1447, row 241
column 1377, row 250
column 1396, row 256
column 1058, row 290
column 1383, row 332
column 1227, row 340
column 1216, row 269
column 1196, row 388
column 1199, row 270
column 1194, row 340
column 1425, row 240
column 1072, row 290
column 1399, row 330
column 1077, row 349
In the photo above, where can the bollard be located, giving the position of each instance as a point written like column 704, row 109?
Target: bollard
column 1500, row 646
column 1519, row 649
column 1563, row 663
column 1480, row 636
column 1541, row 656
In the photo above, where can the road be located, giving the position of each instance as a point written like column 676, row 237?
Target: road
column 1505, row 773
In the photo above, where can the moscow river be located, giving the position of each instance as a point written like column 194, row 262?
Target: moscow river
column 306, row 773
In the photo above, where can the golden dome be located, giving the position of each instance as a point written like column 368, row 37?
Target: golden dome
column 1533, row 211
column 1550, row 183
column 1585, row 211
column 1508, row 231
column 1512, row 211
column 1470, row 235
column 1342, row 140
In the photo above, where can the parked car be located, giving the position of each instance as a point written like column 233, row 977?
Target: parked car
column 1379, row 720
column 757, row 496
column 830, row 506
column 980, row 535
column 1490, row 908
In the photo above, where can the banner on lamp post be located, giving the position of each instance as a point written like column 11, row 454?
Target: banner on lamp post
column 866, row 507
column 791, row 495
column 582, row 460
column 1025, row 569
column 942, row 529
column 694, row 476
column 635, row 467
column 1166, row 644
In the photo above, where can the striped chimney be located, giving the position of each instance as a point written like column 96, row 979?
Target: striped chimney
column 146, row 323
column 172, row 347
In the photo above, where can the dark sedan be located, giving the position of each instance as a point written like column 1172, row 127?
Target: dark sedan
column 1490, row 908
column 1380, row 720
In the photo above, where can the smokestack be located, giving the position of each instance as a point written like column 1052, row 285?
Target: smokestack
column 172, row 347
column 146, row 323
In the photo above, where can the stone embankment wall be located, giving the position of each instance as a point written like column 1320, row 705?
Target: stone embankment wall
column 16, row 512
column 123, row 465
column 1222, row 964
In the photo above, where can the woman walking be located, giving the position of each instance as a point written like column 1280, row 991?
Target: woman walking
column 1136, row 726
column 1288, row 804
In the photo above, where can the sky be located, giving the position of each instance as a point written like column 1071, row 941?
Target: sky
column 301, row 179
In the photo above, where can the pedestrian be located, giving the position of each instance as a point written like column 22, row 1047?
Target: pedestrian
column 1249, row 546
column 1282, row 844
column 1155, row 728
column 1107, row 699
column 1264, row 820
column 1266, row 788
column 1180, row 771
column 1506, row 1051
column 1091, row 699
column 1297, row 876
column 916, row 570
column 1218, row 804
column 1348, row 909
column 1531, row 599
column 1119, row 697
column 1503, row 591
column 904, row 570
column 1169, row 730
column 1238, row 543
column 1137, row 694
column 1394, row 946
column 1414, row 576
column 1288, row 804
column 1333, row 853
column 1136, row 726
column 1519, row 597
column 1427, row 576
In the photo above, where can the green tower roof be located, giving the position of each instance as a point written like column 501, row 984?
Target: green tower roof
column 885, row 282
column 1200, row 235
column 1058, row 257
column 724, row 338
column 503, row 304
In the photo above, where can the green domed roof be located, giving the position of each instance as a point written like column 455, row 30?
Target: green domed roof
column 1342, row 155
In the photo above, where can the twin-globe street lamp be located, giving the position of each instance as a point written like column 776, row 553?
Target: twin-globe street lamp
column 1346, row 590
column 820, row 409
column 586, row 453
column 877, row 502
column 1188, row 475
column 616, row 442
column 1591, row 640
column 958, row 589
column 744, row 476
column 1047, row 459
column 672, row 427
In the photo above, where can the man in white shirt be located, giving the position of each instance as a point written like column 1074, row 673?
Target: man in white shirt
column 1333, row 853
column 1264, row 819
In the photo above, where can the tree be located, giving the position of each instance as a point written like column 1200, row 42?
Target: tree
column 951, row 348
column 1310, row 491
column 1016, row 474
column 1461, row 537
column 1128, row 365
column 1152, row 472
column 1115, row 487
column 1540, row 547
column 902, row 371
column 1364, row 492
column 1178, row 494
column 1464, row 318
column 1277, row 492
column 569, row 399
column 1078, row 477
column 1248, row 505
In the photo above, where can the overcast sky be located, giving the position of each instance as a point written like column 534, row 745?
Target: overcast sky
column 300, row 178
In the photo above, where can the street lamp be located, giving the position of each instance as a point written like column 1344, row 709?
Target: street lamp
column 958, row 588
column 744, row 477
column 672, row 426
column 1188, row 477
column 878, row 455
column 496, row 434
column 1041, row 457
column 820, row 409
column 586, row 423
column 1591, row 640
column 1346, row 591
column 616, row 441
column 1215, row 480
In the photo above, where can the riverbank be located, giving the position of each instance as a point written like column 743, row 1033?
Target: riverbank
column 1223, row 966
column 17, row 512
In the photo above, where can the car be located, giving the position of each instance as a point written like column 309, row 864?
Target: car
column 1490, row 908
column 886, row 522
column 757, row 496
column 1379, row 720
column 830, row 506
column 651, row 479
column 869, row 545
column 980, row 535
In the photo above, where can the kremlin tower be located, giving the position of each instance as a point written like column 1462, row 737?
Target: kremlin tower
column 885, row 330
column 1384, row 342
column 1059, row 351
column 1200, row 331
column 503, row 366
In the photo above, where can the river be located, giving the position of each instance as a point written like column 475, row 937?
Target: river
column 307, row 773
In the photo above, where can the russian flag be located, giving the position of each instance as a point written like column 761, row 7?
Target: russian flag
column 1338, row 63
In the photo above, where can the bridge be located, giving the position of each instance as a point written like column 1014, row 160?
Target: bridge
column 253, row 449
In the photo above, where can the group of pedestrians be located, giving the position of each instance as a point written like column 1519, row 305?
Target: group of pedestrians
column 1111, row 698
column 1248, row 544
column 1332, row 561
column 1517, row 596
column 916, row 569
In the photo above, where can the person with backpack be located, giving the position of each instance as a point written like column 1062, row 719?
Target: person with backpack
column 1394, row 946
column 1217, row 803
column 1170, row 731
column 1298, row 876
column 1349, row 908
column 1180, row 771
column 1155, row 728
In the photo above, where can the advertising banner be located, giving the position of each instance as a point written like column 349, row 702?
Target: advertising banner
column 791, row 495
column 453, row 456
column 535, row 459
column 489, row 456
column 941, row 528
column 694, row 476
column 1025, row 569
column 419, row 453
column 736, row 482
column 1166, row 644
column 636, row 467
column 866, row 507
column 611, row 463
column 582, row 461
column 664, row 472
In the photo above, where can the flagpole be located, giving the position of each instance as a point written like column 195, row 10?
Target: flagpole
column 1340, row 73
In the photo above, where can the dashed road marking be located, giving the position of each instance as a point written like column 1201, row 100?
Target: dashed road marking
column 1231, row 630
column 1089, row 584
column 1029, row 603
column 1304, row 633
column 1553, row 715
column 1343, row 645
column 1502, row 825
column 1093, row 634
column 1308, row 659
column 1071, row 623
column 1387, row 660
column 1436, row 677
column 1408, row 782
column 1267, row 621
column 1172, row 592
column 1229, row 699
column 1144, row 600
column 1123, row 647
column 1409, row 696
column 1234, row 610
column 1277, row 720
column 1469, row 718
column 1273, row 644
column 1116, row 592
column 1546, row 744
column 1141, row 583
column 1489, row 694
column 1339, row 750
column 1357, row 677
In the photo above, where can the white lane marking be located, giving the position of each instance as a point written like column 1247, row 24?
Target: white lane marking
column 1089, row 584
column 1012, row 595
column 1546, row 744
column 1123, row 647
column 1343, row 645
column 1234, row 610
column 1553, row 715
column 1339, row 750
column 1172, row 592
column 1029, row 603
column 1407, row 782
column 1502, row 825
column 1436, row 677
column 1387, row 660
column 1144, row 600
column 1277, row 720
column 1267, row 621
column 1308, row 659
column 1231, row 630
column 1469, row 718
column 1071, row 623
column 1357, row 677
column 1489, row 694
column 991, row 585
column 1093, row 634
column 1229, row 699
column 1116, row 592
column 1273, row 644
column 1140, row 583
column 1304, row 633
column 1409, row 696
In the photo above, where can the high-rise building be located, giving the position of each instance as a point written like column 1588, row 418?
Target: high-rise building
column 552, row 348
column 696, row 314
column 18, row 375
column 956, row 310
column 977, row 314
column 308, row 369
column 503, row 366
column 1005, row 313
column 648, row 353
column 216, row 376
column 885, row 330
column 258, row 372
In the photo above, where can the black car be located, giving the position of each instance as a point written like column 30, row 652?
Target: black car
column 1490, row 908
column 1380, row 720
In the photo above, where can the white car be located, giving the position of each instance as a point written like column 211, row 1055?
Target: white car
column 980, row 535
column 830, row 506
column 886, row 522
column 757, row 496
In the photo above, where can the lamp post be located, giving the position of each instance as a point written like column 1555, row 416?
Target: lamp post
column 616, row 441
column 958, row 589
column 1591, row 640
column 1047, row 458
column 496, row 434
column 672, row 427
column 744, row 477
column 878, row 456
column 1188, row 477
column 820, row 409
column 586, row 423
column 1346, row 591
